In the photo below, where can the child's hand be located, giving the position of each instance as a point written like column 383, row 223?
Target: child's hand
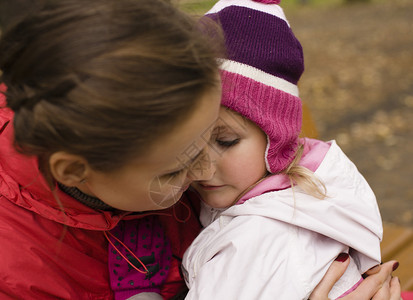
column 379, row 285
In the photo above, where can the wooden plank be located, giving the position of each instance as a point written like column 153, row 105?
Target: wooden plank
column 308, row 128
column 405, row 270
column 398, row 244
column 394, row 240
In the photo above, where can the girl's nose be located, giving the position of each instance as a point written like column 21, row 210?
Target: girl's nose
column 203, row 168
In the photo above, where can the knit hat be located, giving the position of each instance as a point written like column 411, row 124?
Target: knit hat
column 260, row 74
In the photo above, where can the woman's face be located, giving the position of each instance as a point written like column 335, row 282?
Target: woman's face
column 238, row 156
column 158, row 179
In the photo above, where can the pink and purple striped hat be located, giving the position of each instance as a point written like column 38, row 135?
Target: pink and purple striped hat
column 260, row 74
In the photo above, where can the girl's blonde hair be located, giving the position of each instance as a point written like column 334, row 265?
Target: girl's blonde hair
column 304, row 178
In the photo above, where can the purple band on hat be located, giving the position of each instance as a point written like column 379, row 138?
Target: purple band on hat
column 250, row 39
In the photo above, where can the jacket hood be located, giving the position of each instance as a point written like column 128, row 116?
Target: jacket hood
column 350, row 205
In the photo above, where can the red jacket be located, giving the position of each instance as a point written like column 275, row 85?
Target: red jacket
column 46, row 253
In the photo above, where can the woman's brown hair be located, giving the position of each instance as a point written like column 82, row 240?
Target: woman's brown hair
column 103, row 78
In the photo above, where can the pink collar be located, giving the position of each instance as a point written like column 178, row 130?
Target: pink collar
column 313, row 154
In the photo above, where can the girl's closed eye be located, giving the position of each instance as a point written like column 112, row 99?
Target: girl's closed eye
column 227, row 143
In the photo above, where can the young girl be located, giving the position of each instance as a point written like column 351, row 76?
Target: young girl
column 109, row 104
column 278, row 209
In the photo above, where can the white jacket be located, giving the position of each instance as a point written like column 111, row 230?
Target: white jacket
column 279, row 246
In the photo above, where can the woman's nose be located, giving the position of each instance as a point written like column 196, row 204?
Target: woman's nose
column 203, row 168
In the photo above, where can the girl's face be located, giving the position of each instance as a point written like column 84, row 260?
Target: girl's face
column 237, row 151
column 157, row 180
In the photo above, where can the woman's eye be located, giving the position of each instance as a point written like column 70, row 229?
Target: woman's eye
column 225, row 143
column 174, row 174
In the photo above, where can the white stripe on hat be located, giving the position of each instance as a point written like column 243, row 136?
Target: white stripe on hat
column 274, row 10
column 258, row 75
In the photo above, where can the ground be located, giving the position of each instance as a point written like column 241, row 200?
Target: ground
column 358, row 85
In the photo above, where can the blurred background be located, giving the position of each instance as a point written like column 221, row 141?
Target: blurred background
column 358, row 84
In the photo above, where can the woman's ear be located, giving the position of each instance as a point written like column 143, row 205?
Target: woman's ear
column 68, row 169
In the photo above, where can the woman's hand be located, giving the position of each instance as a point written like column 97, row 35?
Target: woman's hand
column 388, row 290
column 378, row 285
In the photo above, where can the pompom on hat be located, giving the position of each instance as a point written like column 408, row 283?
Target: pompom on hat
column 260, row 74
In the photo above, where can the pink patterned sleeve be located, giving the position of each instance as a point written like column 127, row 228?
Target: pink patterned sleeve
column 143, row 243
